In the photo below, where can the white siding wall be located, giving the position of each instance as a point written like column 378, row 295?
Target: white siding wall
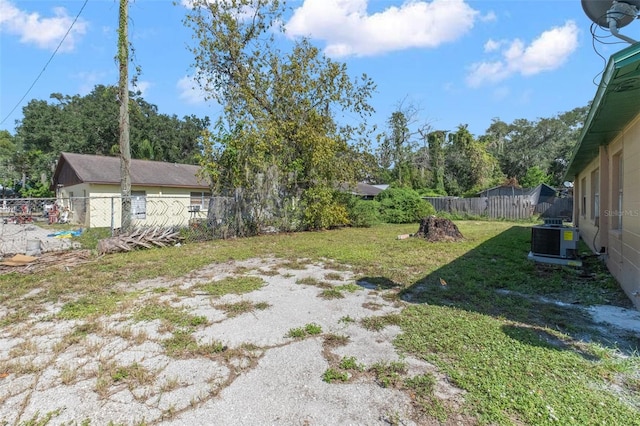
column 164, row 206
column 622, row 244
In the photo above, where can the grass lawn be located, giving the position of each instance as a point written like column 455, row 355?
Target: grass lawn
column 510, row 333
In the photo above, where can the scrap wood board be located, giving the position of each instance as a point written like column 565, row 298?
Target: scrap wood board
column 19, row 260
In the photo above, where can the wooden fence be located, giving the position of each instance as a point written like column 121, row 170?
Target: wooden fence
column 511, row 207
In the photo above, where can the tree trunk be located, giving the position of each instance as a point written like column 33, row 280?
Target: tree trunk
column 438, row 229
column 125, row 149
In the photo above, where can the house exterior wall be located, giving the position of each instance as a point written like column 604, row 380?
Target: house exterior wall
column 98, row 205
column 617, row 229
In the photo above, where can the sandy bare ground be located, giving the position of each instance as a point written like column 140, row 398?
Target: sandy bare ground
column 70, row 373
column 117, row 370
column 15, row 238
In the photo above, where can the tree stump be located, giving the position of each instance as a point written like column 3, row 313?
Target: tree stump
column 438, row 229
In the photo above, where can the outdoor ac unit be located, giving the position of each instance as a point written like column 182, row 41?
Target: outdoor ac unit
column 554, row 243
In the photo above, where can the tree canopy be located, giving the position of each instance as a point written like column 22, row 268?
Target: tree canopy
column 89, row 125
column 280, row 104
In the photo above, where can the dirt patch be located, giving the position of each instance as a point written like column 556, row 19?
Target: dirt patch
column 244, row 368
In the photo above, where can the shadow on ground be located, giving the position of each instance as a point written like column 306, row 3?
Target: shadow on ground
column 497, row 279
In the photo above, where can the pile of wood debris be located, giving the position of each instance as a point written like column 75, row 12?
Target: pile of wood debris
column 64, row 260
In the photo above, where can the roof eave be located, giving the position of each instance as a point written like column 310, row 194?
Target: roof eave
column 584, row 151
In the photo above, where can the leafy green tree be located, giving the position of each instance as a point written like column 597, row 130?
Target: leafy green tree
column 436, row 153
column 468, row 165
column 546, row 143
column 89, row 125
column 400, row 144
column 534, row 177
column 8, row 172
column 402, row 160
column 279, row 106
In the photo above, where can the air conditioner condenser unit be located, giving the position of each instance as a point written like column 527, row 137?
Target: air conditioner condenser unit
column 556, row 244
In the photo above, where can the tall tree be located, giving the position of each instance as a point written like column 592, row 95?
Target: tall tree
column 402, row 150
column 436, row 153
column 8, row 173
column 279, row 106
column 545, row 143
column 468, row 165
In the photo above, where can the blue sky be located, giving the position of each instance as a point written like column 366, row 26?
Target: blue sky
column 458, row 62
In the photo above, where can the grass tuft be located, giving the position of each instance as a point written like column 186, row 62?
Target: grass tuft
column 311, row 329
column 232, row 285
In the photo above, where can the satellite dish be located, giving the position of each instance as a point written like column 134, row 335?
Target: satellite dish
column 599, row 11
column 612, row 14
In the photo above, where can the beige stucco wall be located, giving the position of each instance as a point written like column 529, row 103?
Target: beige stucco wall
column 622, row 245
column 96, row 206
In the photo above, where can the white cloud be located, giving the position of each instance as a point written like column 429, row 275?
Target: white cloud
column 46, row 33
column 190, row 92
column 87, row 80
column 489, row 17
column 546, row 53
column 349, row 30
column 492, row 45
column 142, row 86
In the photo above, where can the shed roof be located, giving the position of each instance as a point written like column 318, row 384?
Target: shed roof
column 361, row 189
column 540, row 192
column 83, row 168
column 615, row 105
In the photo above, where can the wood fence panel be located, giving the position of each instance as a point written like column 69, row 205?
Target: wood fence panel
column 499, row 207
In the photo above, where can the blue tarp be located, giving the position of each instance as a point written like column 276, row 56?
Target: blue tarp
column 66, row 234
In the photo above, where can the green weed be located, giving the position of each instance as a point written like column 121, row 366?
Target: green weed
column 175, row 316
column 183, row 345
column 350, row 363
column 331, row 375
column 302, row 332
column 232, row 285
column 389, row 374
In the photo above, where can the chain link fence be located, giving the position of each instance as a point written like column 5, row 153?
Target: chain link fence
column 52, row 224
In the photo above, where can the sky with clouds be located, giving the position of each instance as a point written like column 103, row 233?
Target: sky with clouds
column 457, row 62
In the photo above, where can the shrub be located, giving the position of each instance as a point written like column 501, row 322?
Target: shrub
column 323, row 209
column 399, row 205
column 430, row 192
column 364, row 214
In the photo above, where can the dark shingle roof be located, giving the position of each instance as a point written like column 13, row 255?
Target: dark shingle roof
column 106, row 170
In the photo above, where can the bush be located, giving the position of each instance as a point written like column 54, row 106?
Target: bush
column 364, row 214
column 398, row 205
column 429, row 192
column 323, row 209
